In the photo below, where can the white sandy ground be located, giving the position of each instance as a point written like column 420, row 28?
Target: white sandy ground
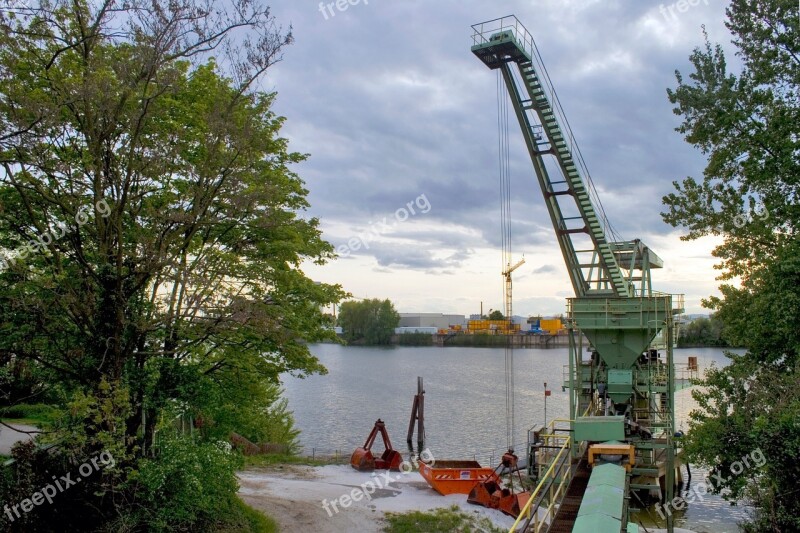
column 293, row 495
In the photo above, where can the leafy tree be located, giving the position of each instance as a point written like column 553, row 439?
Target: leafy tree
column 747, row 124
column 152, row 228
column 368, row 321
column 496, row 315
column 702, row 332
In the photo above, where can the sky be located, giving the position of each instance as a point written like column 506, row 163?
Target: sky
column 400, row 121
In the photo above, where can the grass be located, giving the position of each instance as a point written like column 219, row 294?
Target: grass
column 444, row 520
column 245, row 519
column 277, row 459
column 38, row 414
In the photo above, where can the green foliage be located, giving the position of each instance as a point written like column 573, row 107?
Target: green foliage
column 747, row 125
column 245, row 519
column 745, row 407
column 763, row 314
column 477, row 340
column 415, row 339
column 702, row 332
column 496, row 315
column 152, row 230
column 190, row 484
column 23, row 381
column 35, row 470
column 443, row 520
column 280, row 460
column 38, row 413
column 253, row 409
column 368, row 322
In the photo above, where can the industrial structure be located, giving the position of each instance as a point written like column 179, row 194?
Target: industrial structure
column 622, row 394
column 435, row 320
column 445, row 324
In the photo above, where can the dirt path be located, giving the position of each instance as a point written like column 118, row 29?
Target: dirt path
column 8, row 436
column 321, row 498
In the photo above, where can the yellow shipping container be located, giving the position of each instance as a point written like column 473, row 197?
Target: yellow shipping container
column 551, row 325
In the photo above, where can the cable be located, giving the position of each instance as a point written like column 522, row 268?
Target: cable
column 504, row 158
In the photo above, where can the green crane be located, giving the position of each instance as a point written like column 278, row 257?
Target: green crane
column 615, row 307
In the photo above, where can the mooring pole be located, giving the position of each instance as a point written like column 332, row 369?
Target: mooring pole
column 414, row 408
column 418, row 415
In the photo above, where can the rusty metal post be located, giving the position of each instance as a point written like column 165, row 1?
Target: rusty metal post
column 418, row 415
column 414, row 409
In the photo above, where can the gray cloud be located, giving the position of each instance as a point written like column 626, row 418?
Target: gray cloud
column 545, row 269
column 391, row 104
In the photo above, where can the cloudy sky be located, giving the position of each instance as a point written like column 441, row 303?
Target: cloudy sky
column 400, row 120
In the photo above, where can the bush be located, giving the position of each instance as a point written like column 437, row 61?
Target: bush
column 73, row 508
column 188, row 485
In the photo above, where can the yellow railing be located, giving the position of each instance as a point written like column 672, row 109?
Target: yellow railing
column 558, row 476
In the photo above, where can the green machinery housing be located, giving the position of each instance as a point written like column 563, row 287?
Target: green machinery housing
column 624, row 388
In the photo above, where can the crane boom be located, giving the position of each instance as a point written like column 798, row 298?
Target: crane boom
column 596, row 266
column 510, row 269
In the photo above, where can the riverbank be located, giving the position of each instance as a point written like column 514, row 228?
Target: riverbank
column 334, row 498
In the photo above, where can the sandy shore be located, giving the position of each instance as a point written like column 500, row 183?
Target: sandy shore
column 295, row 496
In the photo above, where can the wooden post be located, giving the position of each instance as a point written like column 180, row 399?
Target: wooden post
column 418, row 414
column 414, row 409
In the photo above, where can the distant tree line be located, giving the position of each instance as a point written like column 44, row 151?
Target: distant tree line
column 702, row 332
column 368, row 322
column 415, row 339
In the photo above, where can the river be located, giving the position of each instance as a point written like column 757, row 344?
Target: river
column 465, row 409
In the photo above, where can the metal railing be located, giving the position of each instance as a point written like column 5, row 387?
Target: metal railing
column 553, row 484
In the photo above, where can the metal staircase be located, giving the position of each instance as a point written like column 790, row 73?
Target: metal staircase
column 591, row 260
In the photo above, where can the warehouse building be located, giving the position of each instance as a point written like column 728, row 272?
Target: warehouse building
column 431, row 320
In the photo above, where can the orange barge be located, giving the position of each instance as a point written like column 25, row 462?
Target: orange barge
column 456, row 477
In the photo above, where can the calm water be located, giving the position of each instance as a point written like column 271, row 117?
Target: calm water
column 465, row 412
